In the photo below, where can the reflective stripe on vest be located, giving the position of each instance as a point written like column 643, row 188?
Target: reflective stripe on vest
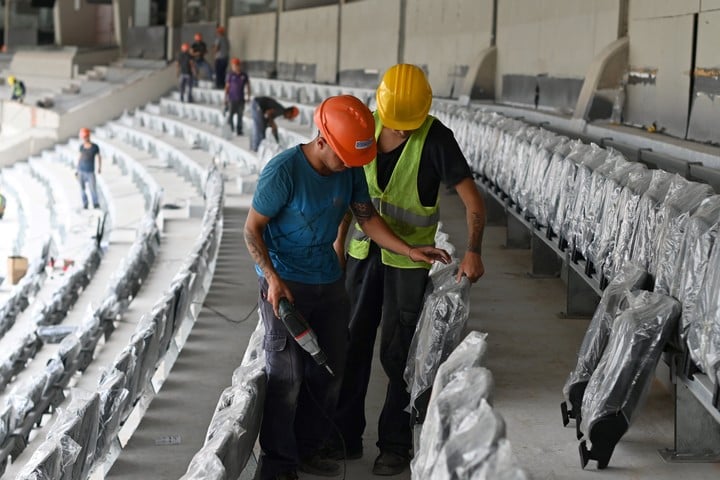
column 399, row 204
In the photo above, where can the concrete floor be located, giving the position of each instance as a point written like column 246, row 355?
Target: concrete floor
column 532, row 348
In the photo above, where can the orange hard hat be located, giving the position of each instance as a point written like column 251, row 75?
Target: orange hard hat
column 291, row 112
column 220, row 30
column 84, row 132
column 235, row 61
column 185, row 47
column 347, row 124
column 198, row 37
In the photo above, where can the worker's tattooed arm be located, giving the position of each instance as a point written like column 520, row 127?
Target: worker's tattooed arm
column 253, row 233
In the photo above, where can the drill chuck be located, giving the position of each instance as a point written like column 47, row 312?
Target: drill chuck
column 302, row 333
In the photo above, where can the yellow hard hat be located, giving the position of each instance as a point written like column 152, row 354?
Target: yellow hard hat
column 403, row 97
column 11, row 80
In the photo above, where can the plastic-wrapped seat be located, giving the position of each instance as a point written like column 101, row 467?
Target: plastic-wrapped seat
column 623, row 377
column 447, row 408
column 679, row 204
column 612, row 302
column 690, row 268
column 648, row 207
column 439, row 329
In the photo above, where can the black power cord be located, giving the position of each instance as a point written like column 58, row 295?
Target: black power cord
column 334, row 425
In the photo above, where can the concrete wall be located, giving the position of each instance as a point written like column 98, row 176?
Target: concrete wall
column 555, row 38
column 363, row 31
column 252, row 37
column 308, row 42
column 446, row 36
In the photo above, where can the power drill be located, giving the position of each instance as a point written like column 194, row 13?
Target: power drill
column 303, row 334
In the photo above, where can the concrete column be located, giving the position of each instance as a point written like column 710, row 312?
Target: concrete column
column 174, row 20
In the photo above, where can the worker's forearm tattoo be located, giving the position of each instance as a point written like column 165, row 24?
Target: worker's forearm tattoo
column 258, row 253
column 362, row 211
column 477, row 228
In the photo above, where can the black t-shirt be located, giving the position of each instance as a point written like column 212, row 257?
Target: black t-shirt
column 184, row 60
column 441, row 160
column 199, row 50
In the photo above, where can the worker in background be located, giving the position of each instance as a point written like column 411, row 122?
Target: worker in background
column 186, row 73
column 221, row 50
column 416, row 153
column 89, row 154
column 237, row 89
column 302, row 196
column 17, row 88
column 264, row 112
column 199, row 50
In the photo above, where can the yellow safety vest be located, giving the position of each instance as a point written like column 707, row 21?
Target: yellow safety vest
column 399, row 204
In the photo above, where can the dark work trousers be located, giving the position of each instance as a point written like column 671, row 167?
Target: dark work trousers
column 301, row 395
column 259, row 126
column 236, row 108
column 394, row 295
column 186, row 85
column 220, row 71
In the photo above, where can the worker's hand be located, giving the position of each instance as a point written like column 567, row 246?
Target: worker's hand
column 277, row 289
column 428, row 254
column 471, row 267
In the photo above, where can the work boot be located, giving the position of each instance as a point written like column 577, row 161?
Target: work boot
column 319, row 466
column 388, row 463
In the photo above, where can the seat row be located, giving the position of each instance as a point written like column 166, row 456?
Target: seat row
column 83, row 438
column 597, row 214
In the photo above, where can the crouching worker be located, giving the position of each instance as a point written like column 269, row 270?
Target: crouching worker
column 302, row 196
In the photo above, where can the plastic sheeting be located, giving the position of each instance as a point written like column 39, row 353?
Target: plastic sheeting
column 612, row 301
column 681, row 202
column 465, row 393
column 470, row 353
column 439, row 329
column 235, row 425
column 703, row 338
column 627, row 220
column 643, row 245
column 624, row 374
column 692, row 260
column 52, row 460
column 604, row 238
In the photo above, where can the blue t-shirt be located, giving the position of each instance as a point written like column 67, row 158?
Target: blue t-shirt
column 305, row 210
column 87, row 157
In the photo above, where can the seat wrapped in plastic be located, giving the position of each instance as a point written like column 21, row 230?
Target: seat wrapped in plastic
column 703, row 337
column 113, row 401
column 79, row 422
column 52, row 460
column 439, row 330
column 680, row 203
column 627, row 220
column 549, row 190
column 470, row 353
column 692, row 261
column 604, row 238
column 648, row 208
column 590, row 159
column 620, row 383
column 530, row 193
column 469, row 444
column 206, row 463
column 612, row 302
column 465, row 393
